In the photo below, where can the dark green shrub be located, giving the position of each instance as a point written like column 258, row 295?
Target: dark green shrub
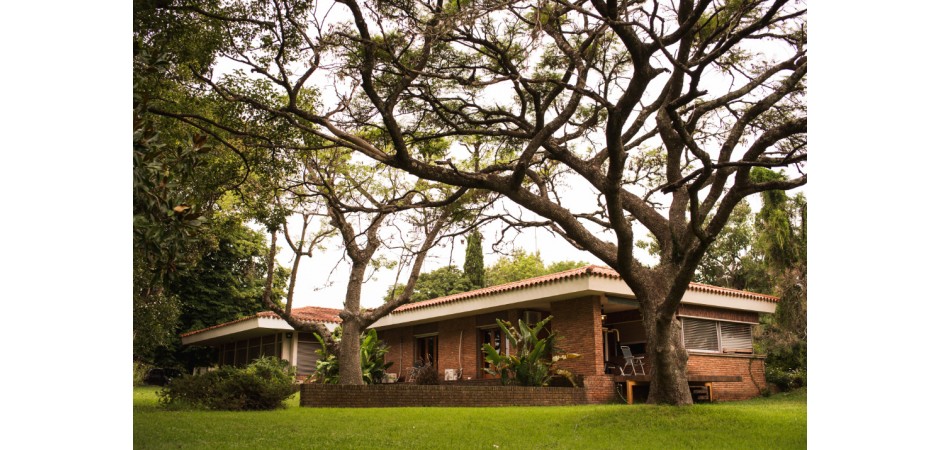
column 264, row 384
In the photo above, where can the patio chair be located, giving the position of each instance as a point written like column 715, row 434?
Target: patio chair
column 631, row 362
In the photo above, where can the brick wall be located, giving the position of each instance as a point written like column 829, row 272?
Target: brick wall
column 578, row 322
column 402, row 394
column 457, row 346
column 401, row 350
column 749, row 368
column 600, row 389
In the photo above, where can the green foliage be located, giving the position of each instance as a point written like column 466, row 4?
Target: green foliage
column 731, row 260
column 530, row 360
column 140, row 371
column 372, row 357
column 264, row 384
column 372, row 354
column 473, row 261
column 228, row 281
column 521, row 265
column 450, row 280
column 447, row 280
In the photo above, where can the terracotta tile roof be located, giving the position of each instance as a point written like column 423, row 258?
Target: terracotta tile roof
column 303, row 314
column 599, row 271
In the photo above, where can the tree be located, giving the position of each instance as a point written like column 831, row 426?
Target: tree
column 447, row 280
column 521, row 265
column 359, row 203
column 226, row 284
column 473, row 261
column 661, row 111
column 732, row 261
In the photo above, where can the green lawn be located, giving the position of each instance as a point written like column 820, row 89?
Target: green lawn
column 777, row 422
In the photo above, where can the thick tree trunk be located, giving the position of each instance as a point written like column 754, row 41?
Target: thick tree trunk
column 665, row 352
column 668, row 381
column 349, row 358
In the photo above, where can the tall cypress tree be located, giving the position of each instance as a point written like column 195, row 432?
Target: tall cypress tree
column 473, row 260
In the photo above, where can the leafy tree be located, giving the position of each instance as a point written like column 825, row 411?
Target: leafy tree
column 661, row 111
column 521, row 265
column 473, row 261
column 447, row 280
column 732, row 261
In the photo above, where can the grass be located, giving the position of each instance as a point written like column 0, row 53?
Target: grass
column 776, row 422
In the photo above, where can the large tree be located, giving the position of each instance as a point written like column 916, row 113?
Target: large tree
column 656, row 111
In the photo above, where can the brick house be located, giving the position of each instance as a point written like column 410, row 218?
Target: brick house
column 593, row 311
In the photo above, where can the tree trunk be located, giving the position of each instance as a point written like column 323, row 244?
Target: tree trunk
column 665, row 352
column 349, row 358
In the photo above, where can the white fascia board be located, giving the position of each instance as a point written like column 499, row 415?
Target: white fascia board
column 549, row 292
column 727, row 301
column 559, row 290
column 238, row 327
column 619, row 288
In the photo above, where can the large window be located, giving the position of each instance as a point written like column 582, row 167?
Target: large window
column 245, row 351
column 704, row 335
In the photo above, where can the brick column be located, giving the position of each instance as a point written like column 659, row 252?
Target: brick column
column 578, row 322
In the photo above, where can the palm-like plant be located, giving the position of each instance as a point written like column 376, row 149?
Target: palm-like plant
column 372, row 351
column 531, row 359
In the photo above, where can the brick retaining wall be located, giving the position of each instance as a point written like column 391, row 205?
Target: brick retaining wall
column 750, row 368
column 406, row 394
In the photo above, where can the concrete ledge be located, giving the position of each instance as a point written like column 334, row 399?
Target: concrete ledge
column 406, row 394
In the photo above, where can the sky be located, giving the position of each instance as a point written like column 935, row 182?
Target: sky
column 65, row 178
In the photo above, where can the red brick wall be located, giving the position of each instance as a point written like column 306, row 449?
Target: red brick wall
column 395, row 395
column 457, row 346
column 401, row 349
column 599, row 389
column 749, row 368
column 578, row 322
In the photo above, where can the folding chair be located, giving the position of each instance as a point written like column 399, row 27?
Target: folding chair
column 631, row 362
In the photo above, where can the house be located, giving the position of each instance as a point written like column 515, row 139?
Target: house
column 593, row 311
column 241, row 341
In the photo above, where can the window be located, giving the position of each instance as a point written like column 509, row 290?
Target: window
column 715, row 336
column 426, row 349
column 494, row 337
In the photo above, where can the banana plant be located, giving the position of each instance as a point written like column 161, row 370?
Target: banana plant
column 530, row 360
column 372, row 351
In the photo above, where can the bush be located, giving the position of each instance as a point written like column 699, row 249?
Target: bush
column 264, row 384
column 426, row 374
column 140, row 371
